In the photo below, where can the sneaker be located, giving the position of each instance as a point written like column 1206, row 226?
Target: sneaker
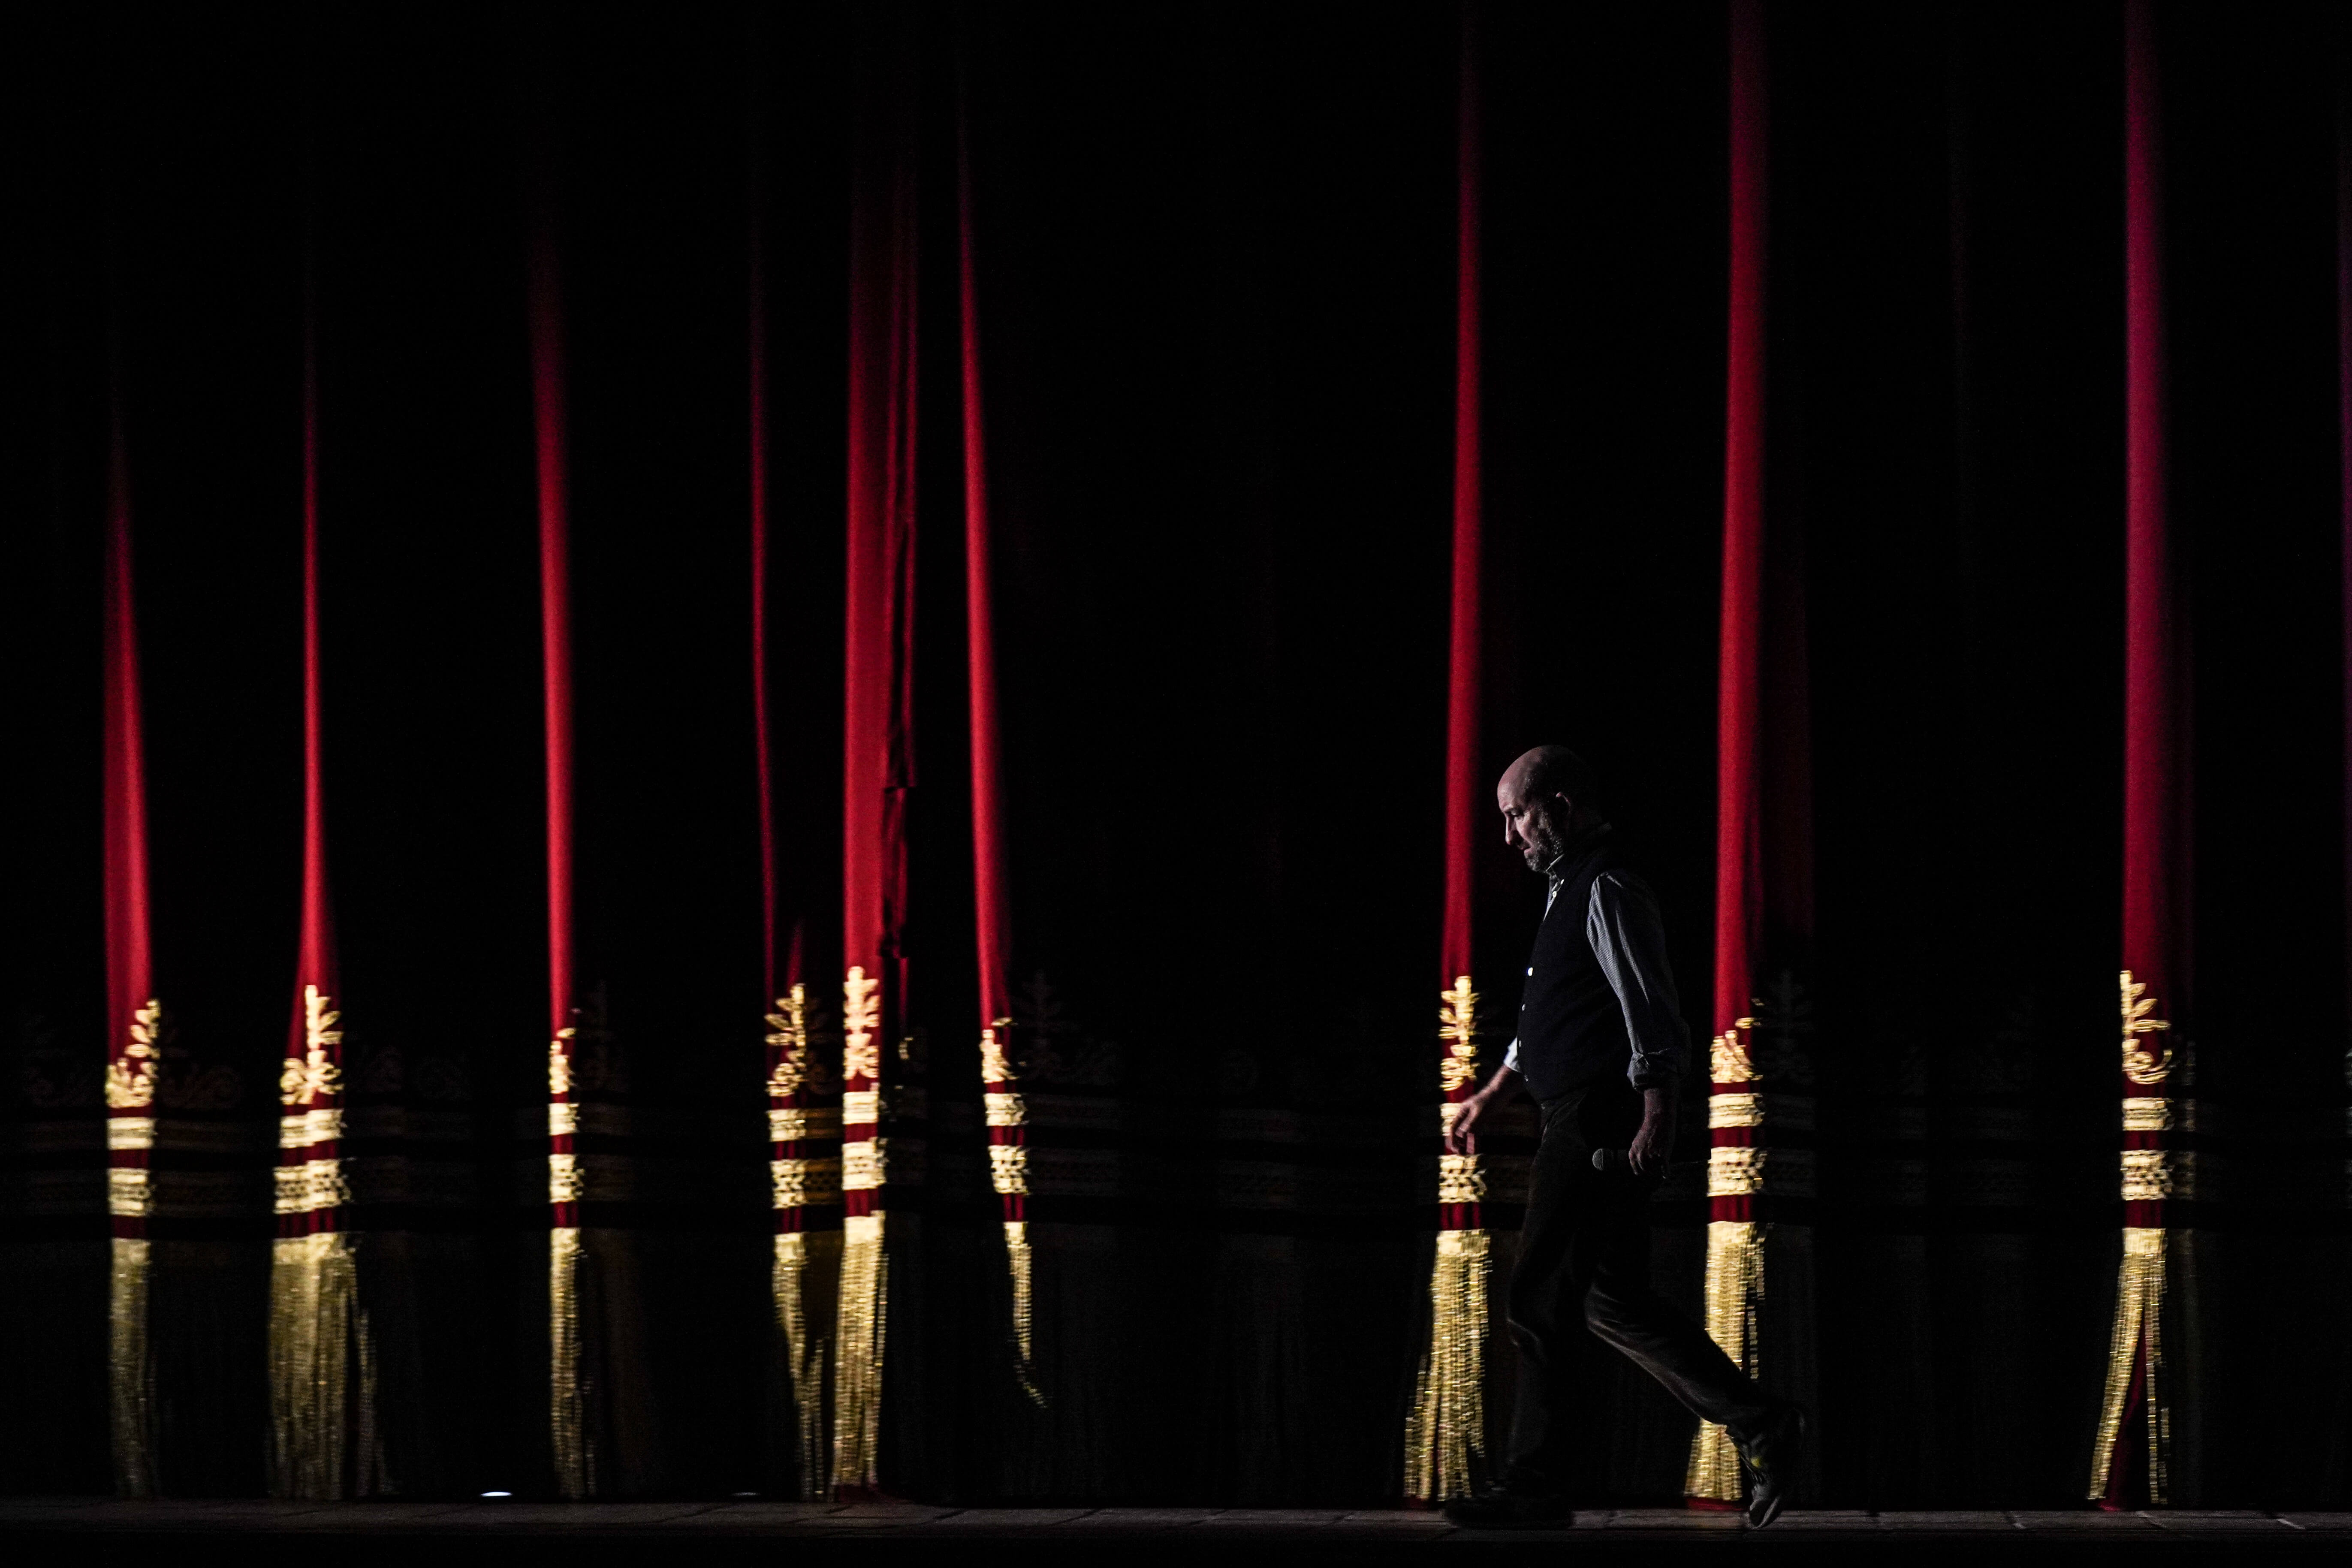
column 1770, row 1457
column 1511, row 1508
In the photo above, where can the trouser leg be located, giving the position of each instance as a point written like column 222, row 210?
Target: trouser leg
column 1556, row 1263
column 1623, row 1309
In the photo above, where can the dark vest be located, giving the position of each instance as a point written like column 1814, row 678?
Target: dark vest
column 1571, row 1026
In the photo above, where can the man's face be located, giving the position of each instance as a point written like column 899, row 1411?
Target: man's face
column 1535, row 827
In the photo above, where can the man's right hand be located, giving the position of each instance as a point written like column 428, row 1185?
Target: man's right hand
column 1461, row 1134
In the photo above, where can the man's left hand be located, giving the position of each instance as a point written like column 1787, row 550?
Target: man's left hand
column 1654, row 1145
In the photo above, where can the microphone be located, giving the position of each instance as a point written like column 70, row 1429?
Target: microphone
column 1613, row 1161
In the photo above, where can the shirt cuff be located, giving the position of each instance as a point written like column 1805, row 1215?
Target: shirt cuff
column 1511, row 1056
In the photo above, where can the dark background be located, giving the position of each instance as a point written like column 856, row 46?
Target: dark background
column 1216, row 274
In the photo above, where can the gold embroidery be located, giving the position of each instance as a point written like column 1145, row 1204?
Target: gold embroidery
column 559, row 1062
column 129, row 1194
column 1735, row 1173
column 2147, row 1175
column 131, row 1133
column 1006, row 1110
column 2142, row 1065
column 1008, row 1169
column 312, row 1185
column 1459, row 1179
column 861, row 1107
column 564, row 1182
column 313, row 1075
column 995, row 1067
column 1734, row 1295
column 2136, row 1347
column 1733, row 1062
column 864, row 1165
column 306, row 1128
column 2148, row 1113
column 861, row 1020
column 1735, row 1111
column 789, row 1024
column 131, row 1078
column 797, row 1183
column 563, row 1121
column 1457, row 1025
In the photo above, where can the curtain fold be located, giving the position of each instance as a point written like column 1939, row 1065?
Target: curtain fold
column 322, row 1398
column 2135, row 1454
column 884, row 1116
column 134, row 1019
column 1759, row 1289
column 804, row 1133
column 573, row 1444
column 1446, row 1427
column 1006, row 1109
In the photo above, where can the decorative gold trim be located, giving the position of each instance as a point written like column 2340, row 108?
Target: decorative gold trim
column 308, row 1129
column 559, row 1062
column 1460, row 1180
column 1445, row 1434
column 322, row 1426
column 1734, row 1172
column 865, row 1165
column 858, row 1382
column 312, row 1185
column 1020, row 1263
column 574, row 1451
column 1731, row 1059
column 2148, row 1113
column 131, row 1368
column 2149, row 1175
column 1735, row 1298
column 562, row 1119
column 1008, row 1169
column 2142, row 1065
column 131, row 1078
column 996, row 1064
column 1735, row 1111
column 861, row 1108
column 2139, row 1333
column 129, row 1194
column 1458, row 1027
column 788, row 1032
column 801, row 1184
column 129, row 1132
column 861, row 1020
column 1006, row 1110
column 564, row 1179
column 313, row 1075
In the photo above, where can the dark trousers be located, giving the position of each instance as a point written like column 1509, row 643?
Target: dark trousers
column 1584, row 1264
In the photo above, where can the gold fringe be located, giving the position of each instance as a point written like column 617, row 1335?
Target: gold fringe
column 857, row 1380
column 131, row 1368
column 575, row 1456
column 321, row 1372
column 2140, row 1303
column 804, row 1313
column 1019, row 1258
column 1735, row 1296
column 1445, row 1436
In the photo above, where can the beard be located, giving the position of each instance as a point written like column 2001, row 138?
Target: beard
column 1546, row 844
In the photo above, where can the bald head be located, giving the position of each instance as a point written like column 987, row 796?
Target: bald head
column 1545, row 796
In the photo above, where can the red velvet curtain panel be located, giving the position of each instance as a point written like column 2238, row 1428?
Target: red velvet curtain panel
column 573, row 1452
column 2132, row 1458
column 1759, row 1300
column 879, row 1047
column 134, row 1022
column 1445, row 1437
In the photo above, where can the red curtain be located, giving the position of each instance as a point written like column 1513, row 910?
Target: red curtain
column 131, row 1025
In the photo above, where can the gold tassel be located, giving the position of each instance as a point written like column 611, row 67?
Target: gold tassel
column 857, row 1388
column 1445, row 1436
column 808, row 1345
column 1019, row 1259
column 2140, row 1303
column 1734, row 1295
column 321, row 1420
column 575, row 1463
column 131, row 1368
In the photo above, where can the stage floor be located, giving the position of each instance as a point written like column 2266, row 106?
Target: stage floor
column 346, row 1532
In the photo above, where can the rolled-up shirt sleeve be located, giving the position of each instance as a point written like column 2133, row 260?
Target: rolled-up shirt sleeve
column 1629, row 938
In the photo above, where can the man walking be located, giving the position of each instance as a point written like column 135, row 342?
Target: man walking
column 1603, row 1048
